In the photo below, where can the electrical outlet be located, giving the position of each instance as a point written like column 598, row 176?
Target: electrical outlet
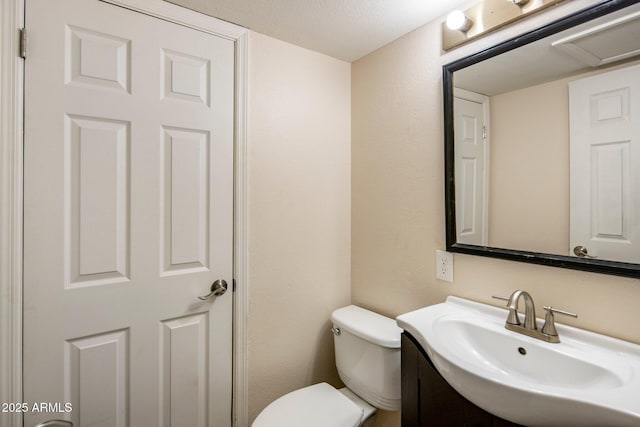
column 444, row 266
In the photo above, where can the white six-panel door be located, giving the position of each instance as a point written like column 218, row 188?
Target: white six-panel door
column 128, row 208
column 605, row 165
column 471, row 166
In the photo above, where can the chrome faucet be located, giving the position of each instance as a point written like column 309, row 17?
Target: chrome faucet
column 530, row 327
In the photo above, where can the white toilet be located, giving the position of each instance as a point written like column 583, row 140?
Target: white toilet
column 367, row 347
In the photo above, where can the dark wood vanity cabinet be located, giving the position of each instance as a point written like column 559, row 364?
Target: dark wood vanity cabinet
column 429, row 401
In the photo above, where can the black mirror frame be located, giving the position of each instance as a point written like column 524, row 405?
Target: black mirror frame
column 562, row 261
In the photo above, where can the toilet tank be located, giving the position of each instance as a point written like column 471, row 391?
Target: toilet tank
column 367, row 347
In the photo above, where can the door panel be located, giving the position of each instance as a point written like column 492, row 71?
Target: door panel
column 184, row 371
column 98, row 377
column 185, row 200
column 128, row 217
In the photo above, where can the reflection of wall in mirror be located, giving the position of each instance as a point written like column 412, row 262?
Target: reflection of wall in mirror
column 529, row 177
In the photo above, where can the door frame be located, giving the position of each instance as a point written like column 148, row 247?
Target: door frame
column 11, row 193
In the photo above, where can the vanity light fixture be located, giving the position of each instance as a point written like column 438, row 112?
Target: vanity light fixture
column 462, row 26
column 457, row 20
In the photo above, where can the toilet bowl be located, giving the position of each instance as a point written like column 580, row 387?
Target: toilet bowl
column 367, row 351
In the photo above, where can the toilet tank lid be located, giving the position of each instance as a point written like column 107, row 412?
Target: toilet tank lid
column 368, row 325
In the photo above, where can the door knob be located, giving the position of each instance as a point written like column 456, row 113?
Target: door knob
column 581, row 252
column 219, row 287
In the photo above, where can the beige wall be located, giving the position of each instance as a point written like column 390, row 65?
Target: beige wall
column 299, row 215
column 397, row 197
column 529, row 164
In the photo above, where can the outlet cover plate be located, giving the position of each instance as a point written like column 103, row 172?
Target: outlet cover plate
column 444, row 266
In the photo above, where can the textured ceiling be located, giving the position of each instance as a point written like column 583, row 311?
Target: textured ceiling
column 344, row 29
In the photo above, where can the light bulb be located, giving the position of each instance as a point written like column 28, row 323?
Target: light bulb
column 457, row 20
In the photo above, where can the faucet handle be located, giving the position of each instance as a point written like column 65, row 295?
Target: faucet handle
column 557, row 310
column 549, row 327
column 500, row 298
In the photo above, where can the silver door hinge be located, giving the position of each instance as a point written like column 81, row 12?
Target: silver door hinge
column 484, row 132
column 23, row 43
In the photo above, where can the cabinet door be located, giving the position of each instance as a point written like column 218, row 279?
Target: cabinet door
column 410, row 408
column 429, row 401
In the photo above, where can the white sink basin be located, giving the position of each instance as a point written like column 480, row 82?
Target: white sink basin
column 585, row 380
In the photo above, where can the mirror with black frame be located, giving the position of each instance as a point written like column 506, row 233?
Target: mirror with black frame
column 542, row 144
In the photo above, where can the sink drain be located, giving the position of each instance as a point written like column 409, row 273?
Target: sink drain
column 522, row 350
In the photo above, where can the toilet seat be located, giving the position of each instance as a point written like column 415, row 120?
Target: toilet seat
column 319, row 405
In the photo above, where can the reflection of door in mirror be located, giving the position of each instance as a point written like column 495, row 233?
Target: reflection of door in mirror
column 605, row 165
column 471, row 166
